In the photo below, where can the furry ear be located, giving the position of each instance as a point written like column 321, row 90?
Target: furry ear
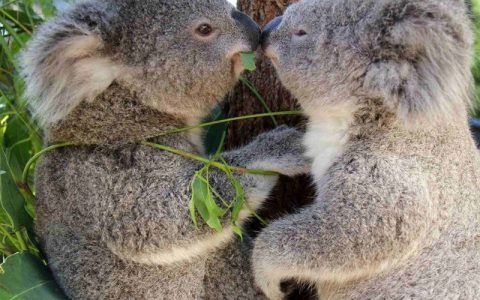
column 422, row 52
column 65, row 64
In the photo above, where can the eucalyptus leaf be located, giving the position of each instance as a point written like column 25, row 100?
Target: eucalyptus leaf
column 191, row 209
column 199, row 193
column 17, row 141
column 237, row 230
column 48, row 8
column 213, row 134
column 239, row 201
column 248, row 61
column 214, row 212
column 11, row 200
column 23, row 277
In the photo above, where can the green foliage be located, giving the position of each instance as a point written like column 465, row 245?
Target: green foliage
column 476, row 67
column 19, row 136
column 214, row 133
column 248, row 61
column 24, row 277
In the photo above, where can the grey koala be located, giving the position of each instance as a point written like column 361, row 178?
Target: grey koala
column 112, row 215
column 385, row 84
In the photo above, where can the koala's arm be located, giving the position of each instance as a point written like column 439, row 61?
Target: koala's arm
column 280, row 150
column 228, row 273
column 367, row 218
column 147, row 218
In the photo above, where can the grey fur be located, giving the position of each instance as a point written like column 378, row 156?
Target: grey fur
column 227, row 268
column 385, row 85
column 112, row 216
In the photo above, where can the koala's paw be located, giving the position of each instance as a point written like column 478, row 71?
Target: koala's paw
column 266, row 279
column 282, row 150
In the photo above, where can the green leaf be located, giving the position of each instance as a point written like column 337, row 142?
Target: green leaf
column 238, row 203
column 11, row 200
column 239, row 198
column 17, row 141
column 23, row 277
column 214, row 211
column 48, row 8
column 203, row 201
column 199, row 193
column 213, row 134
column 237, row 230
column 191, row 208
column 248, row 61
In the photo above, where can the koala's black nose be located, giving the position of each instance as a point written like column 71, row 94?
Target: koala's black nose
column 267, row 30
column 251, row 28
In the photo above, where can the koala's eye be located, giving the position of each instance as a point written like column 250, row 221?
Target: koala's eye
column 300, row 33
column 204, row 30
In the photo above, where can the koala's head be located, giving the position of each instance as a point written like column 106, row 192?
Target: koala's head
column 413, row 55
column 178, row 57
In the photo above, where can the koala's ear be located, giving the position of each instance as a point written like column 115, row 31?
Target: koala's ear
column 65, row 62
column 420, row 54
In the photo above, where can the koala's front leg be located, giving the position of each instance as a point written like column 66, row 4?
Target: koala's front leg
column 148, row 220
column 361, row 224
column 280, row 150
column 228, row 274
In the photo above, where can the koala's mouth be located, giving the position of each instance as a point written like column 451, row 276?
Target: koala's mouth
column 237, row 66
column 272, row 55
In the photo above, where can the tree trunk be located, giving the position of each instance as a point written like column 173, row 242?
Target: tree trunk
column 290, row 194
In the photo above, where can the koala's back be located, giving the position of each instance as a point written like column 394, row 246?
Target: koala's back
column 72, row 188
column 449, row 269
column 88, row 270
column 447, row 264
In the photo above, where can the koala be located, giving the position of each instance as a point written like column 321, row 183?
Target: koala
column 113, row 214
column 385, row 85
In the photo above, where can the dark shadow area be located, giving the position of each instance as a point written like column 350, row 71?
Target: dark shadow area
column 475, row 125
column 296, row 291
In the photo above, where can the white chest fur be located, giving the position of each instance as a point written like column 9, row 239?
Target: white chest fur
column 326, row 137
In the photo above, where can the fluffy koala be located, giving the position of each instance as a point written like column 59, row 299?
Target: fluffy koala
column 112, row 215
column 385, row 84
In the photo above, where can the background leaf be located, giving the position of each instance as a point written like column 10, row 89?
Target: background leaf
column 24, row 277
column 213, row 134
column 11, row 200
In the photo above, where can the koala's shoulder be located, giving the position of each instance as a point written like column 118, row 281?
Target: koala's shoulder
column 376, row 176
column 96, row 170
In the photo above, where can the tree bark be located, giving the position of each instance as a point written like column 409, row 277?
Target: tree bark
column 289, row 194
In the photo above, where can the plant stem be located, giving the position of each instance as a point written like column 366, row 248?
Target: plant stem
column 217, row 165
column 34, row 158
column 264, row 115
column 10, row 237
column 177, row 151
column 23, row 245
column 252, row 88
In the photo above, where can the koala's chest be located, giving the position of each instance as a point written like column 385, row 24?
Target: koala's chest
column 324, row 146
